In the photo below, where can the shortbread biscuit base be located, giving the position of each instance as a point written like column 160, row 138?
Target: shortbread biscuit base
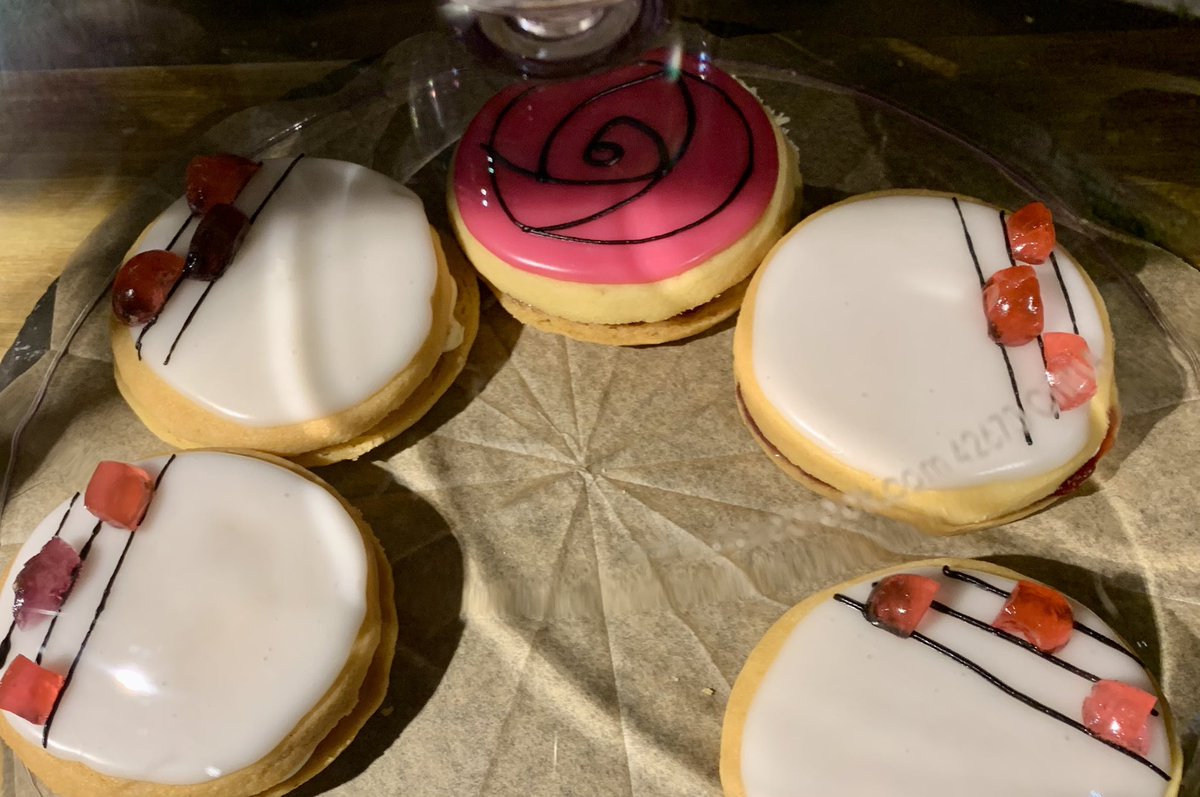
column 598, row 304
column 923, row 522
column 937, row 511
column 447, row 369
column 323, row 732
column 370, row 697
column 684, row 325
column 182, row 423
column 768, row 648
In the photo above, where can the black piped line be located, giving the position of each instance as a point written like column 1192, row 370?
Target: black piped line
column 187, row 321
column 970, row 242
column 1080, row 627
column 949, row 572
column 6, row 643
column 1066, row 295
column 83, row 555
column 1012, row 377
column 666, row 161
column 1012, row 261
column 938, row 606
column 63, row 521
column 1046, row 367
column 665, row 165
column 137, row 346
column 543, row 170
column 178, row 233
column 274, row 188
column 95, row 618
column 158, row 479
column 1013, row 693
column 196, row 307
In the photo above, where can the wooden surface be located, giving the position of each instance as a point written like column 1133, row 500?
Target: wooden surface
column 1129, row 101
column 73, row 142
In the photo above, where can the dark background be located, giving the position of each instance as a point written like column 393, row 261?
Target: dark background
column 57, row 34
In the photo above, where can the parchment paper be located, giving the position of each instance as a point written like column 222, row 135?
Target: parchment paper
column 586, row 541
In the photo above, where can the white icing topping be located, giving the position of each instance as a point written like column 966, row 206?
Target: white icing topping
column 232, row 614
column 327, row 300
column 850, row 709
column 869, row 337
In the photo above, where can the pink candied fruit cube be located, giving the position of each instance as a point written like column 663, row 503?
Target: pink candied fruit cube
column 1031, row 233
column 1120, row 713
column 44, row 582
column 29, row 690
column 119, row 494
column 1012, row 302
column 898, row 602
column 1069, row 369
column 1039, row 614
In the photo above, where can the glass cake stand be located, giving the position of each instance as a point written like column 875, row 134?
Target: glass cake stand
column 580, row 572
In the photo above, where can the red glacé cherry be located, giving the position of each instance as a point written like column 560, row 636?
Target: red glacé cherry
column 1031, row 233
column 1012, row 302
column 1119, row 713
column 1069, row 369
column 29, row 690
column 142, row 285
column 1038, row 614
column 217, row 180
column 218, row 238
column 898, row 602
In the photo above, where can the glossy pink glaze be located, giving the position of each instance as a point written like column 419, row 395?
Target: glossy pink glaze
column 701, row 193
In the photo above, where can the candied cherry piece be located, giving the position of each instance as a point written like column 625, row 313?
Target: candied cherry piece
column 119, row 494
column 898, row 602
column 218, row 237
column 1031, row 233
column 142, row 285
column 44, row 582
column 1120, row 713
column 1038, row 614
column 217, row 180
column 1012, row 302
column 1069, row 369
column 29, row 690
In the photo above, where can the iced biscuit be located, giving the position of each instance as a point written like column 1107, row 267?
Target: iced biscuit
column 337, row 323
column 941, row 678
column 867, row 368
column 182, row 657
column 624, row 208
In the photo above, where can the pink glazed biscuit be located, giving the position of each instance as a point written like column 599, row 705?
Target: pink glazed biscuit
column 628, row 207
